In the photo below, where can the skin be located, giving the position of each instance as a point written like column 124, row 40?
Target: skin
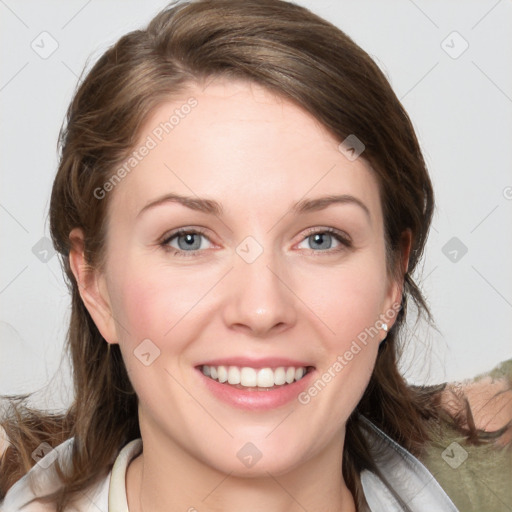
column 256, row 154
column 490, row 401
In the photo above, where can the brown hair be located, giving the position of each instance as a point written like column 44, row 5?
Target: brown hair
column 300, row 56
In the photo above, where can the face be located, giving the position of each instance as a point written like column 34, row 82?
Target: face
column 253, row 273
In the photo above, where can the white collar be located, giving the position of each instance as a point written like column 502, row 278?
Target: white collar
column 117, row 501
column 408, row 479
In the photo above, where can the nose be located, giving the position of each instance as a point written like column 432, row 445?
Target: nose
column 261, row 301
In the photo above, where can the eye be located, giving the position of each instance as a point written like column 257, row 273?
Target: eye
column 322, row 239
column 189, row 242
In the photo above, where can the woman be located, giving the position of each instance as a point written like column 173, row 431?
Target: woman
column 221, row 359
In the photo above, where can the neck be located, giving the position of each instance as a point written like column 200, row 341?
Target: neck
column 157, row 483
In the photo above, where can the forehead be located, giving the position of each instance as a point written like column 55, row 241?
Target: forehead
column 235, row 140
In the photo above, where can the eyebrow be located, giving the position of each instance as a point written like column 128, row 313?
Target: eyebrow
column 213, row 207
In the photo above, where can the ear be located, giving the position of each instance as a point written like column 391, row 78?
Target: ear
column 92, row 287
column 396, row 284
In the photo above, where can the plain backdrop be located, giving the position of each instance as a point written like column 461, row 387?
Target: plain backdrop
column 448, row 62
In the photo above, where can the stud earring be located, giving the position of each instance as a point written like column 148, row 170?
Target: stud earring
column 385, row 329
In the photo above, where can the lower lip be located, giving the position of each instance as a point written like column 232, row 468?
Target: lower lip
column 256, row 400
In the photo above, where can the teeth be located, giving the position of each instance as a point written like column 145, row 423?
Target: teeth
column 248, row 376
column 222, row 373
column 266, row 378
column 252, row 377
column 234, row 375
column 279, row 376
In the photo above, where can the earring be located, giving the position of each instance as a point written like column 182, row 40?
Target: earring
column 385, row 329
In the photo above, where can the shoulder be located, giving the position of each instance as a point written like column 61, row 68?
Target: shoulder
column 30, row 507
column 485, row 402
column 475, row 470
column 399, row 477
column 42, row 480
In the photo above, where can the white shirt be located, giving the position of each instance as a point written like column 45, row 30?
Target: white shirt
column 406, row 476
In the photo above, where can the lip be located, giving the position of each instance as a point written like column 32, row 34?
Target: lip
column 255, row 400
column 265, row 362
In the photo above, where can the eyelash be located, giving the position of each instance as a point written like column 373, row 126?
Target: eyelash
column 343, row 239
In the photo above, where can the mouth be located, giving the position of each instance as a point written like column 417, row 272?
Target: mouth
column 247, row 378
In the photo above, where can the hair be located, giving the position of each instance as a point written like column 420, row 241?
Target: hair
column 304, row 59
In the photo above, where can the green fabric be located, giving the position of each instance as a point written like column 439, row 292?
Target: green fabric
column 503, row 370
column 482, row 482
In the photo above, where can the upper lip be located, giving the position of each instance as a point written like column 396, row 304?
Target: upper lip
column 265, row 362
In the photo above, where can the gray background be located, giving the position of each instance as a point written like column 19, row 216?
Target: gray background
column 460, row 102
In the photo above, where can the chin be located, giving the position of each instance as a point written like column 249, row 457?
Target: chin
column 254, row 456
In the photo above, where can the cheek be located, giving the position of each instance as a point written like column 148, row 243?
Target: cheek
column 348, row 303
column 152, row 309
column 140, row 307
column 154, row 301
column 348, row 299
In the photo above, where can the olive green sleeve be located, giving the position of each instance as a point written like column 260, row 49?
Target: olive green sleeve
column 476, row 477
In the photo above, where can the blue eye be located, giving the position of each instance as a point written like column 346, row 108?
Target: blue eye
column 189, row 242
column 322, row 239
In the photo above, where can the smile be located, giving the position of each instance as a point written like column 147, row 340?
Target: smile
column 259, row 378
